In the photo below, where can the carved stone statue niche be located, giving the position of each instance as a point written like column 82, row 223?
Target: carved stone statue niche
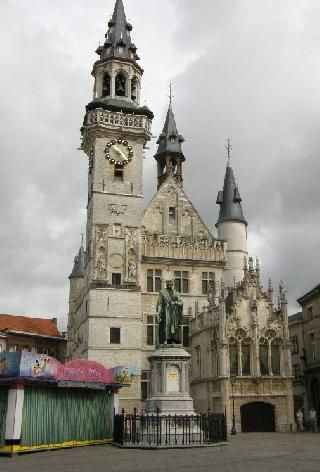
column 169, row 313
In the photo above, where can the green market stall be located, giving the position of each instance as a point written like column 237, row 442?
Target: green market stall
column 46, row 404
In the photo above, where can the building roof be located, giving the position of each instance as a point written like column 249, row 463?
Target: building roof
column 118, row 41
column 309, row 295
column 170, row 140
column 295, row 318
column 229, row 199
column 78, row 267
column 30, row 325
column 114, row 104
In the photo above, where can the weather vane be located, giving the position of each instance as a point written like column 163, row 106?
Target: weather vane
column 228, row 148
column 170, row 93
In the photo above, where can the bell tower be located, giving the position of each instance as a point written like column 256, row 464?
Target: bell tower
column 114, row 133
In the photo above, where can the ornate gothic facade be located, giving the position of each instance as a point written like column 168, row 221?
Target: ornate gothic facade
column 130, row 253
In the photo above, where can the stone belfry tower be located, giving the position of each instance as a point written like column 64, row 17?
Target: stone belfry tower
column 114, row 133
column 232, row 226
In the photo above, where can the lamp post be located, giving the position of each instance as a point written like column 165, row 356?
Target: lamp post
column 233, row 429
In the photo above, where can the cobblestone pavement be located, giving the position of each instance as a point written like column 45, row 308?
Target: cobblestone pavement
column 255, row 452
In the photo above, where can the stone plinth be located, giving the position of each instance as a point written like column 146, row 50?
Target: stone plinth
column 169, row 383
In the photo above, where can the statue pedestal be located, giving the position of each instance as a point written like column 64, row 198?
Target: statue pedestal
column 169, row 383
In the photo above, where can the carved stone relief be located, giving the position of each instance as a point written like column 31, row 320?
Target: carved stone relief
column 182, row 241
column 100, row 265
column 116, row 261
column 116, row 209
column 116, row 230
column 131, row 254
column 91, row 159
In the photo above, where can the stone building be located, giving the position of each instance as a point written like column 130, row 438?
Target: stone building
column 310, row 303
column 298, row 361
column 241, row 354
column 129, row 253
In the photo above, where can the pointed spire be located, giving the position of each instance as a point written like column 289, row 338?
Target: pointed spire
column 169, row 154
column 78, row 267
column 228, row 148
column 118, row 41
column 229, row 198
column 170, row 140
column 270, row 290
column 258, row 268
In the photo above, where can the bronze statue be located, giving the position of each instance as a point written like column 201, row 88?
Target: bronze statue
column 169, row 313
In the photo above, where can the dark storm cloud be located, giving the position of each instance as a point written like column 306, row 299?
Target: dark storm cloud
column 256, row 81
column 248, row 70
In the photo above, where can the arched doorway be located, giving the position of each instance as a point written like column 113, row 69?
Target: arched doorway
column 257, row 417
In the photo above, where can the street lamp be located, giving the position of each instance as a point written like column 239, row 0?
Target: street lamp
column 233, row 378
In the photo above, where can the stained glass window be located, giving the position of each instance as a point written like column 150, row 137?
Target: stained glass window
column 264, row 359
column 245, row 357
column 275, row 359
column 233, row 353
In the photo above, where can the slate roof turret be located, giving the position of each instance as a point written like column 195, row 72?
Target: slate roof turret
column 118, row 41
column 229, row 199
column 170, row 140
column 78, row 267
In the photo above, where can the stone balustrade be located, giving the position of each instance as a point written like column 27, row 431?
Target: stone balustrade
column 179, row 247
column 107, row 117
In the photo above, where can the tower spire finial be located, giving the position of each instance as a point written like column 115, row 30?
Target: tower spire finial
column 82, row 234
column 170, row 94
column 228, row 148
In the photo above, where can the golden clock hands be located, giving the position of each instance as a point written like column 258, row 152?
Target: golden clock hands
column 119, row 152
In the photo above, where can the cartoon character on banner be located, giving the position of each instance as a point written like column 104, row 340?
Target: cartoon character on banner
column 39, row 367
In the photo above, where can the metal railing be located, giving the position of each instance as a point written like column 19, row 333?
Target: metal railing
column 169, row 430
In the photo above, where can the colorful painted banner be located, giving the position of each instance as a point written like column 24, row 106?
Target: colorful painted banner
column 81, row 370
column 10, row 364
column 41, row 366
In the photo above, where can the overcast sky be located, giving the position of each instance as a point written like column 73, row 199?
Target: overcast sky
column 244, row 69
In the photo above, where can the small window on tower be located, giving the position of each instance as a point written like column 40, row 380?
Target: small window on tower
column 120, row 85
column 116, row 279
column 106, row 85
column 134, row 89
column 118, row 173
column 172, row 215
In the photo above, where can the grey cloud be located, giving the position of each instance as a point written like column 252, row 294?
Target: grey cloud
column 246, row 69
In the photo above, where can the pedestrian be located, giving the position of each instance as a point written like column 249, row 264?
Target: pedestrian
column 299, row 417
column 313, row 420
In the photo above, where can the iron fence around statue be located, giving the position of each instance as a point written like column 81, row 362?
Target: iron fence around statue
column 156, row 430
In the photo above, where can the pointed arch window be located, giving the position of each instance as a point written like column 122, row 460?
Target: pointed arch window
column 263, row 354
column 106, row 85
column 275, row 357
column 233, row 358
column 120, row 85
column 245, row 358
column 134, row 89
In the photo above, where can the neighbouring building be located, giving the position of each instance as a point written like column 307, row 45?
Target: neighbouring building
column 310, row 353
column 298, row 361
column 29, row 334
column 130, row 252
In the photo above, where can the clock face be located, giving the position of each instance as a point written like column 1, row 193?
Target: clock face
column 118, row 152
